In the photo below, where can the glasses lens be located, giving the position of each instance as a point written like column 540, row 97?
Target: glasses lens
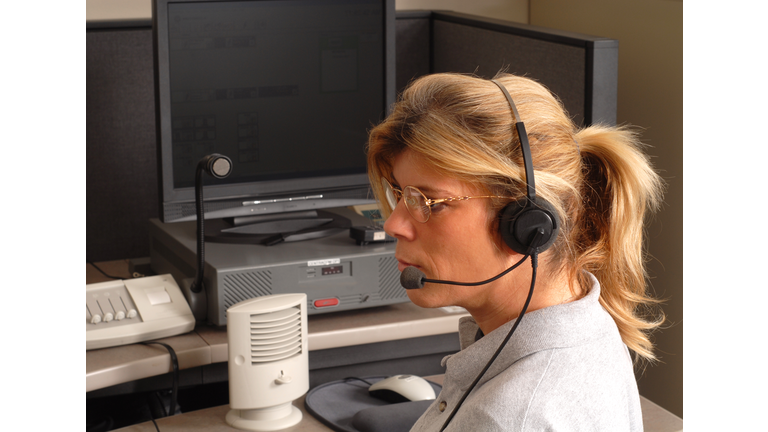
column 416, row 203
column 389, row 194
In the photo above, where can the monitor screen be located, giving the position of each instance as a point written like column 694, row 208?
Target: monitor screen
column 287, row 89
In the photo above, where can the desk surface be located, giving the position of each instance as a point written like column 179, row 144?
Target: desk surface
column 207, row 344
column 213, row 420
column 655, row 419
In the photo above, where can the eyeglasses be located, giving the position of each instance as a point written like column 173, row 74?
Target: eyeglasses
column 417, row 204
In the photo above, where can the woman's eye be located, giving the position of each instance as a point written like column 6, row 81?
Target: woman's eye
column 437, row 208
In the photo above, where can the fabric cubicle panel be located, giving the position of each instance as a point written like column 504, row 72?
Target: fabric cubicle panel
column 582, row 70
column 121, row 173
column 559, row 67
column 413, row 56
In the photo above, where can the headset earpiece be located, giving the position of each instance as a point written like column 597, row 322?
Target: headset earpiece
column 519, row 221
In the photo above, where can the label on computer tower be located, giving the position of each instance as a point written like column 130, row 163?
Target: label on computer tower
column 324, row 262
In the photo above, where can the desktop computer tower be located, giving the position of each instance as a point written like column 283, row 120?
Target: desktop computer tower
column 334, row 272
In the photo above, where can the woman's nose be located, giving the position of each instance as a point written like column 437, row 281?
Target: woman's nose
column 399, row 224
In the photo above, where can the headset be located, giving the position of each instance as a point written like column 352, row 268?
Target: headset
column 521, row 219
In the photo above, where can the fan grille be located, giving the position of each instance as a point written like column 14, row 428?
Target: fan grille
column 389, row 279
column 275, row 336
column 246, row 285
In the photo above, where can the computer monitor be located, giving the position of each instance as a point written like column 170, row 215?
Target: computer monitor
column 287, row 89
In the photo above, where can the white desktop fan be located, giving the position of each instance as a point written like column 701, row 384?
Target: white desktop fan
column 268, row 362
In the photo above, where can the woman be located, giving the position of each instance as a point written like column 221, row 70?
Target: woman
column 451, row 149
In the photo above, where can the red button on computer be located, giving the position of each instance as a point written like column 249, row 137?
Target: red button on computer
column 327, row 302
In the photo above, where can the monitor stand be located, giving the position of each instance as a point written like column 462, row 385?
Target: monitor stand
column 277, row 228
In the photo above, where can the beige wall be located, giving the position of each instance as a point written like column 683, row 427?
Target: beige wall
column 109, row 10
column 513, row 10
column 650, row 34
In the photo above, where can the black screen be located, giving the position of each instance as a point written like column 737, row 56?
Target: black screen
column 286, row 89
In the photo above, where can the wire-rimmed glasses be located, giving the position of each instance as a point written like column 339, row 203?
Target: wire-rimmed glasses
column 417, row 204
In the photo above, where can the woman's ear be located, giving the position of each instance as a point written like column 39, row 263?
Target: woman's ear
column 498, row 240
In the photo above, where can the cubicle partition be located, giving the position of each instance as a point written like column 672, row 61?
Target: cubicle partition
column 122, row 183
column 581, row 70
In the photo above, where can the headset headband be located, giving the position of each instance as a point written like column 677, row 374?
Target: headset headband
column 525, row 147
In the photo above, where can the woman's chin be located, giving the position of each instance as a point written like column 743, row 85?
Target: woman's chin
column 425, row 298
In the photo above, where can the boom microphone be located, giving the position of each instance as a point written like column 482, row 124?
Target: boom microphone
column 413, row 278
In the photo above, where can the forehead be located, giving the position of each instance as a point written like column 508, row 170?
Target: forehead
column 412, row 169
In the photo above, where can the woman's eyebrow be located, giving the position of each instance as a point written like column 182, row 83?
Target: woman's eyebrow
column 428, row 190
column 433, row 192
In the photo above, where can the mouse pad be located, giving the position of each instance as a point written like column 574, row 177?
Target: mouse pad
column 345, row 406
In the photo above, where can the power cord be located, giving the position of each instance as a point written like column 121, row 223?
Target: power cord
column 175, row 385
column 157, row 428
column 102, row 271
column 347, row 379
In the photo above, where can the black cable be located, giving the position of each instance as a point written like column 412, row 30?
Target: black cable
column 534, row 266
column 164, row 412
column 175, row 384
column 102, row 271
column 152, row 416
column 356, row 379
column 487, row 281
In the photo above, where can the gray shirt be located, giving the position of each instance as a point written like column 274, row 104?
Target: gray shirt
column 564, row 369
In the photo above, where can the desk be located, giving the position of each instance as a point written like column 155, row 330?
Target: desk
column 655, row 419
column 335, row 341
column 212, row 420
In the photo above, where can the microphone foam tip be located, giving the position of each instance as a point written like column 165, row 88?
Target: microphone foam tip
column 412, row 278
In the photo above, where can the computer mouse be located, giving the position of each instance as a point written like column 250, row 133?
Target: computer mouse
column 402, row 388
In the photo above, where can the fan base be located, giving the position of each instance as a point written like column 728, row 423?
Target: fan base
column 265, row 419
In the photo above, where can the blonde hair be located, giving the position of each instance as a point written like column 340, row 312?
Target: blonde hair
column 597, row 178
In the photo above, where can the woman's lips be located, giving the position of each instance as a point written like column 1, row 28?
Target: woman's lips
column 401, row 265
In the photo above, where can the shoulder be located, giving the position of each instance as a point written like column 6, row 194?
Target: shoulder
column 566, row 368
column 547, row 391
column 589, row 387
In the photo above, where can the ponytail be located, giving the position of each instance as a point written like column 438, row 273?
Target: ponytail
column 619, row 188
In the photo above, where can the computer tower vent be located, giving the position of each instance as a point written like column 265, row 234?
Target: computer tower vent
column 359, row 298
column 243, row 286
column 276, row 335
column 389, row 279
